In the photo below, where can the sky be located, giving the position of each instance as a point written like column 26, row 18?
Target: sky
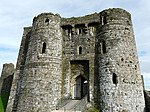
column 16, row 14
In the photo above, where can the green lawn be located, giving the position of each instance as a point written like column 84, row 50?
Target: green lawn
column 1, row 105
column 3, row 101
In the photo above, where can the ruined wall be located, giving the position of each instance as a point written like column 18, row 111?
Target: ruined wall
column 147, row 100
column 15, row 89
column 120, row 85
column 6, row 78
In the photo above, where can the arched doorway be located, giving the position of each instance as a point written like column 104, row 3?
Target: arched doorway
column 80, row 87
column 79, row 75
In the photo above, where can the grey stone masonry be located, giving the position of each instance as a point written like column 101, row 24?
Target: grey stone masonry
column 40, row 87
column 147, row 100
column 119, row 83
column 64, row 59
column 15, row 89
column 6, row 78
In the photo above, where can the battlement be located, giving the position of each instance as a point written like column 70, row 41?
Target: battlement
column 110, row 14
column 45, row 19
column 116, row 12
column 80, row 20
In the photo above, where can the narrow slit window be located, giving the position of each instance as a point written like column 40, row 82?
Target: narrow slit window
column 44, row 47
column 114, row 78
column 80, row 50
column 103, row 47
column 104, row 20
column 80, row 31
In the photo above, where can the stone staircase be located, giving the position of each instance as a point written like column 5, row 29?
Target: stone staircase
column 73, row 106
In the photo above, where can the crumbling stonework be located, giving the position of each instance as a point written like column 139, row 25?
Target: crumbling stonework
column 6, row 78
column 147, row 100
column 92, row 57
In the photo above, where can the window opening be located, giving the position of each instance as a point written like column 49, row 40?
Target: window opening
column 67, row 30
column 104, row 20
column 114, row 78
column 103, row 47
column 47, row 21
column 80, row 28
column 80, row 50
column 44, row 47
column 80, row 31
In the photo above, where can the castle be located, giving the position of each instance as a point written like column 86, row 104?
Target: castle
column 87, row 61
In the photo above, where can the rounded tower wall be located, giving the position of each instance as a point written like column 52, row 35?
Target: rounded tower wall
column 45, row 37
column 41, row 80
column 120, row 85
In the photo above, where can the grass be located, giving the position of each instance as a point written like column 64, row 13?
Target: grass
column 1, row 105
column 93, row 109
column 3, row 102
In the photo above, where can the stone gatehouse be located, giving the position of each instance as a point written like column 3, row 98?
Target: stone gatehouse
column 91, row 60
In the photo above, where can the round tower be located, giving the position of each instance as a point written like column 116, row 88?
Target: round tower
column 120, row 87
column 41, row 81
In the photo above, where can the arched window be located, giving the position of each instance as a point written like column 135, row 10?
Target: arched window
column 47, row 20
column 114, row 78
column 80, row 50
column 44, row 47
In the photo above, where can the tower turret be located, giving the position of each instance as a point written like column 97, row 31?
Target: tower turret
column 119, row 81
column 40, row 87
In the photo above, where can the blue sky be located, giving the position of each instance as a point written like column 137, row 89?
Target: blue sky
column 16, row 14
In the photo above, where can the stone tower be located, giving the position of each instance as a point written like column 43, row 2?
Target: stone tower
column 39, row 88
column 120, row 87
column 6, row 78
column 90, row 59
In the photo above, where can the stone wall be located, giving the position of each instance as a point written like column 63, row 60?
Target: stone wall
column 147, row 100
column 78, row 46
column 98, row 49
column 40, row 86
column 15, row 89
column 6, row 78
column 120, row 86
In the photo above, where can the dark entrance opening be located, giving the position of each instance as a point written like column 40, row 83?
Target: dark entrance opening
column 81, row 87
column 80, row 79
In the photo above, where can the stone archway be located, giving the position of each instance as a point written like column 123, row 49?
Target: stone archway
column 79, row 79
column 80, row 87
